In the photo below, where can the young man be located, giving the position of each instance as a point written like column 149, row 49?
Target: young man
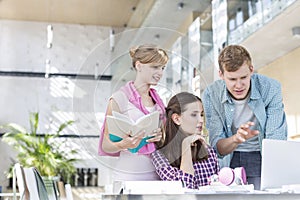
column 242, row 109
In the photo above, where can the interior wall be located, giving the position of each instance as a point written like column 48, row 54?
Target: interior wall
column 76, row 49
column 287, row 71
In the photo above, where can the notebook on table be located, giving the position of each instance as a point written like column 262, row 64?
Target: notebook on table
column 280, row 164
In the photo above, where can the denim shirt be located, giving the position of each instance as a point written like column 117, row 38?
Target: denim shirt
column 265, row 101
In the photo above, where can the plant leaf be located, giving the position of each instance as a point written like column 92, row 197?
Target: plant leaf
column 64, row 125
column 12, row 127
column 34, row 122
column 47, row 153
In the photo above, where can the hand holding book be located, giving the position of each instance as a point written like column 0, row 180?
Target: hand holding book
column 132, row 143
column 121, row 127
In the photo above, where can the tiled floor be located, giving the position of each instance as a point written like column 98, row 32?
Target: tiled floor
column 87, row 193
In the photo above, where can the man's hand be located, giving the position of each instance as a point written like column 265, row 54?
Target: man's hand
column 244, row 132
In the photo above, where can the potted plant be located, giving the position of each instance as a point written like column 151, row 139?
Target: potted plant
column 42, row 151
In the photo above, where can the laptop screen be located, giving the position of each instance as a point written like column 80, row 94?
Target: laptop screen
column 280, row 163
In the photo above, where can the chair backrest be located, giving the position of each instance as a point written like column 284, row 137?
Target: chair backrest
column 19, row 179
column 69, row 195
column 30, row 183
column 65, row 191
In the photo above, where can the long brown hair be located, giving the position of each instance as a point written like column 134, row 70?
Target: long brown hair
column 174, row 135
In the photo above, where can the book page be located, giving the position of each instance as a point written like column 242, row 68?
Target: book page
column 122, row 116
column 119, row 126
column 148, row 123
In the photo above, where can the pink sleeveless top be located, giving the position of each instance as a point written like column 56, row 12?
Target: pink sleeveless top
column 130, row 104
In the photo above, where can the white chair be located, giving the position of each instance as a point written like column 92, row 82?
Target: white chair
column 69, row 194
column 30, row 184
column 19, row 178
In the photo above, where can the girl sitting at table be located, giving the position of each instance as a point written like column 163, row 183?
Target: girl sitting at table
column 185, row 155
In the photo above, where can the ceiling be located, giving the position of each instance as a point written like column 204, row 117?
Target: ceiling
column 91, row 12
column 115, row 13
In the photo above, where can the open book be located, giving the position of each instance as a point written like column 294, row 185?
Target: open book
column 119, row 125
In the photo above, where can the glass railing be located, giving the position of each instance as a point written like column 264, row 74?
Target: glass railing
column 266, row 11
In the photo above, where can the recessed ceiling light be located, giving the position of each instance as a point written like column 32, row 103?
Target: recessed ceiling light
column 180, row 5
column 296, row 31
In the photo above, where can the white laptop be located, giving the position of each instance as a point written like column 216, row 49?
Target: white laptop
column 280, row 164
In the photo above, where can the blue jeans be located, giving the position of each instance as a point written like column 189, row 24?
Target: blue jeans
column 251, row 161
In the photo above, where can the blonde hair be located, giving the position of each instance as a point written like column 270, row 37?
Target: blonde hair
column 148, row 53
